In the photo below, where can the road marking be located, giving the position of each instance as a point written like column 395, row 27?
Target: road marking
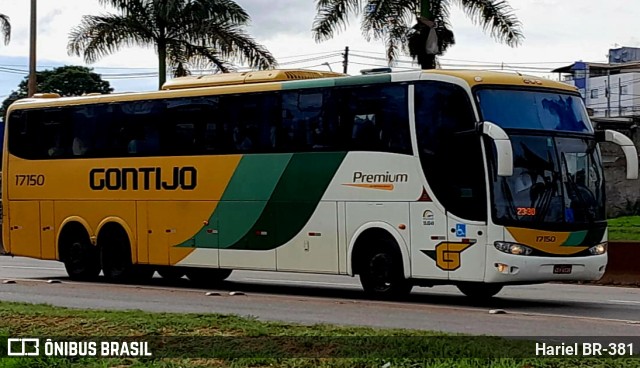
column 296, row 282
column 600, row 319
column 35, row 268
column 626, row 301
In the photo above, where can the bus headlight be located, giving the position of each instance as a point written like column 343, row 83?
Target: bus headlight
column 513, row 248
column 599, row 249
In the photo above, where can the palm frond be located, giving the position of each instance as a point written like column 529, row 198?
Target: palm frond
column 219, row 10
column 231, row 42
column 5, row 28
column 396, row 41
column 184, row 32
column 384, row 15
column 496, row 17
column 185, row 55
column 98, row 36
column 126, row 7
column 333, row 16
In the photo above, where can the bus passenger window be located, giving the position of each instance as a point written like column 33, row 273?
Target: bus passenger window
column 374, row 118
column 241, row 139
column 56, row 149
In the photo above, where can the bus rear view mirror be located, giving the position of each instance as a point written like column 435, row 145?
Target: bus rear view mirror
column 628, row 148
column 504, row 151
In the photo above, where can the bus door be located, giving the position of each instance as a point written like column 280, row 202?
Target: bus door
column 465, row 253
column 24, row 227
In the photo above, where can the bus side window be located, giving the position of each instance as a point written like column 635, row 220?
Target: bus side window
column 57, row 130
column 374, row 118
column 307, row 122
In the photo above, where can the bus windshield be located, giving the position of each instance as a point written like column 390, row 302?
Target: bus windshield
column 555, row 180
column 524, row 109
column 558, row 176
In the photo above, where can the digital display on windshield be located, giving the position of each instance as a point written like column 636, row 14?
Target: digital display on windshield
column 526, row 211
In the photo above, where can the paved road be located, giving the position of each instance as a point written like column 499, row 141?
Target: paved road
column 537, row 310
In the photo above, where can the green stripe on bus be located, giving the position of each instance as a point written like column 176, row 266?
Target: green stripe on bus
column 243, row 201
column 312, row 83
column 363, row 79
column 294, row 200
column 256, row 177
column 575, row 239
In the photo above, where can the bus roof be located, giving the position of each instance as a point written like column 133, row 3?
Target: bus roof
column 482, row 77
column 261, row 76
column 287, row 79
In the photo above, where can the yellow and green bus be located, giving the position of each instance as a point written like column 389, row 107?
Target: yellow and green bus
column 477, row 179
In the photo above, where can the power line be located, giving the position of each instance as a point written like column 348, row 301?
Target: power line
column 314, row 54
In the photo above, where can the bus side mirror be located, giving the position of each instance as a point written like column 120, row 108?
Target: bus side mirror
column 504, row 151
column 629, row 149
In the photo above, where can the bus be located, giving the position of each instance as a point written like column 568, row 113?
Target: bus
column 421, row 178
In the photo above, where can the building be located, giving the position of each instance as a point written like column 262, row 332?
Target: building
column 610, row 90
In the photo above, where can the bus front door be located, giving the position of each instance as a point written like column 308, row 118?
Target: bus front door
column 465, row 255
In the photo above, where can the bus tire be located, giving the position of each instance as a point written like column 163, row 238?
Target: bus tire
column 81, row 259
column 479, row 290
column 381, row 272
column 207, row 276
column 171, row 273
column 115, row 255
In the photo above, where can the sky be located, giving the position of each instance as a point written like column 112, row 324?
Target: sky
column 557, row 33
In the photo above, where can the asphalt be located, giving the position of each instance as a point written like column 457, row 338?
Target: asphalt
column 528, row 311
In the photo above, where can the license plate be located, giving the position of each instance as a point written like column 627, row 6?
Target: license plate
column 562, row 269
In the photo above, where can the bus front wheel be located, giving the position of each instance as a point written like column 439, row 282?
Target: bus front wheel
column 171, row 273
column 381, row 273
column 479, row 290
column 81, row 259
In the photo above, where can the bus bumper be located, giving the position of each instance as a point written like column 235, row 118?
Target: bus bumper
column 507, row 268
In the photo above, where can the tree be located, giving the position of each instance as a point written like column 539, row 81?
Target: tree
column 65, row 81
column 206, row 33
column 390, row 20
column 5, row 28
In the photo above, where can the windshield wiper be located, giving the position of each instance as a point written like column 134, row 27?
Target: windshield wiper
column 506, row 191
column 577, row 193
column 543, row 202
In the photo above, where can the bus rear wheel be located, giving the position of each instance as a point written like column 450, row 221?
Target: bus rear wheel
column 207, row 276
column 81, row 259
column 479, row 290
column 381, row 273
column 116, row 257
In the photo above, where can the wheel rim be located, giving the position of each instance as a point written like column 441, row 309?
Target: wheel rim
column 380, row 272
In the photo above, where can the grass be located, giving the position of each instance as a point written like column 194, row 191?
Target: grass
column 625, row 228
column 213, row 340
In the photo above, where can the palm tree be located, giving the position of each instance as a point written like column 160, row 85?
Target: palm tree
column 196, row 33
column 5, row 28
column 390, row 20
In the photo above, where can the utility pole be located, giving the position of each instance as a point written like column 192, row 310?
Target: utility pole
column 345, row 61
column 32, row 52
column 608, row 93
column 619, row 97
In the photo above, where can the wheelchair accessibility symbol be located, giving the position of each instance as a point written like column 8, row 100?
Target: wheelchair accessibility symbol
column 461, row 230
